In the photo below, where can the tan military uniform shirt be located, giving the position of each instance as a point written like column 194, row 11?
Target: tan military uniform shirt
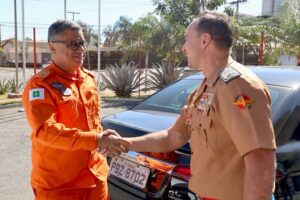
column 227, row 117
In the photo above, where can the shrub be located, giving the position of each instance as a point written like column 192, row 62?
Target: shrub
column 163, row 74
column 3, row 86
column 122, row 80
column 12, row 85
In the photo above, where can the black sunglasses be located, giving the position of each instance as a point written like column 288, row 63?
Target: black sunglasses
column 74, row 44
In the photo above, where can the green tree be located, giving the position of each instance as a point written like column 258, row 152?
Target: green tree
column 281, row 33
column 89, row 36
column 181, row 12
column 110, row 36
column 123, row 30
column 290, row 24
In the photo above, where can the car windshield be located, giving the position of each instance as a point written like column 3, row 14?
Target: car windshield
column 172, row 98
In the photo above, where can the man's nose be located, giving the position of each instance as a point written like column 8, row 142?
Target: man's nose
column 81, row 49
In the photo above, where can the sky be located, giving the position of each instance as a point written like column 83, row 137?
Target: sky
column 41, row 13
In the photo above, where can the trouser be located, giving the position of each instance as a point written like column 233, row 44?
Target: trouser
column 100, row 192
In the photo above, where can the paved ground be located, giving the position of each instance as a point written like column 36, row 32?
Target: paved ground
column 15, row 147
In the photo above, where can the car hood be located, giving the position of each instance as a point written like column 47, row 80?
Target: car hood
column 144, row 120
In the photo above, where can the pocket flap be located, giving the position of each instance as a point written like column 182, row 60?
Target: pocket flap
column 205, row 122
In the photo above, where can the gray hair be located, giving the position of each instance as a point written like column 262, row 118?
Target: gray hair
column 60, row 26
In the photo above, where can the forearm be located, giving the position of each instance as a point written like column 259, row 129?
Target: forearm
column 161, row 141
column 259, row 178
column 58, row 136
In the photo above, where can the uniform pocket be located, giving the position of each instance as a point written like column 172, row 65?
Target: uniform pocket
column 208, row 132
column 67, row 110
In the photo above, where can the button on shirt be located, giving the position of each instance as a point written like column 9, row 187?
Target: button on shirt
column 225, row 121
column 63, row 113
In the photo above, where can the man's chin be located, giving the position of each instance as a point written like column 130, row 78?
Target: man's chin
column 78, row 64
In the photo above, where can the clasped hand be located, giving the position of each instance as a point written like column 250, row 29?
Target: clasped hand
column 110, row 143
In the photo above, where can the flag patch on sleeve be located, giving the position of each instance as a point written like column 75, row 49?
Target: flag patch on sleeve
column 37, row 93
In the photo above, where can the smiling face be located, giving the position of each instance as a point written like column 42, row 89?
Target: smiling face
column 193, row 46
column 64, row 55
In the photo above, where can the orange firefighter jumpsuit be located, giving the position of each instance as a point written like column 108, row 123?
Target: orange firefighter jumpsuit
column 63, row 113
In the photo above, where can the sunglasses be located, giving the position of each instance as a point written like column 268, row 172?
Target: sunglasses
column 74, row 44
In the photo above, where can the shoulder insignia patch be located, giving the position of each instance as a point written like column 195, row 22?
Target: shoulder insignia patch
column 36, row 93
column 43, row 74
column 228, row 74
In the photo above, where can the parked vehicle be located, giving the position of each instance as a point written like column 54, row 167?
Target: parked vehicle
column 166, row 175
column 9, row 63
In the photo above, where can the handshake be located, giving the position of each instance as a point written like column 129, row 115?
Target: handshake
column 110, row 143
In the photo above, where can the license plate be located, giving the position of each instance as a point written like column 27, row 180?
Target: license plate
column 129, row 171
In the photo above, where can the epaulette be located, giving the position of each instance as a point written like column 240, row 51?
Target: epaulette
column 92, row 74
column 228, row 74
column 43, row 73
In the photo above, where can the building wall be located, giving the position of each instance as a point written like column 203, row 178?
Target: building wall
column 271, row 7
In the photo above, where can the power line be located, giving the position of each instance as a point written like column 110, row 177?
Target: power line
column 73, row 13
column 237, row 6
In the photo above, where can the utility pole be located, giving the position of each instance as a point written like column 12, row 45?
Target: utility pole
column 23, row 44
column 99, row 45
column 73, row 13
column 1, row 62
column 16, row 47
column 0, row 36
column 237, row 7
column 140, row 61
column 65, row 9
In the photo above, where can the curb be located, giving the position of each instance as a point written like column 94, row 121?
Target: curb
column 105, row 99
column 11, row 105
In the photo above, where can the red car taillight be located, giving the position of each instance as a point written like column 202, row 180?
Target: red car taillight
column 182, row 171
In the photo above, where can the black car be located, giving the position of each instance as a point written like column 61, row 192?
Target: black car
column 166, row 175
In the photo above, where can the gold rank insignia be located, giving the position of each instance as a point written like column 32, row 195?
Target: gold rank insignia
column 42, row 74
column 243, row 101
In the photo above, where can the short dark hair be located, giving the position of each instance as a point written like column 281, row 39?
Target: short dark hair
column 219, row 26
column 60, row 26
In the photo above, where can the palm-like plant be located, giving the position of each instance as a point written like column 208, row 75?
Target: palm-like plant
column 3, row 86
column 122, row 80
column 163, row 74
column 12, row 86
column 110, row 36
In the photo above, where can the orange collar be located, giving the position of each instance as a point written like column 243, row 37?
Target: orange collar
column 79, row 75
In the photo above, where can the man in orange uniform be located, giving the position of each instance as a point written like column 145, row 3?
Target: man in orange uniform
column 62, row 107
column 227, row 120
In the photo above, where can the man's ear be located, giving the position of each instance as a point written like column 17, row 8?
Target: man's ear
column 52, row 47
column 206, row 39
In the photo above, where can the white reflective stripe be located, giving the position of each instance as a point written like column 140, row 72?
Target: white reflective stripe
column 36, row 93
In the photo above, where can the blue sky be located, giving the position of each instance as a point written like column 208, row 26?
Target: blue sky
column 41, row 13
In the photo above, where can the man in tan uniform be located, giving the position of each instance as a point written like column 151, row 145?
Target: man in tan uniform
column 227, row 120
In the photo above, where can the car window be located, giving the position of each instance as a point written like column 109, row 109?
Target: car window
column 173, row 98
column 170, row 99
column 278, row 95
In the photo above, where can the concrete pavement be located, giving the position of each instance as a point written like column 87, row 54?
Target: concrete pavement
column 15, row 152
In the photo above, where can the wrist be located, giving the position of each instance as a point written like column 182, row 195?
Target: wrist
column 100, row 138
